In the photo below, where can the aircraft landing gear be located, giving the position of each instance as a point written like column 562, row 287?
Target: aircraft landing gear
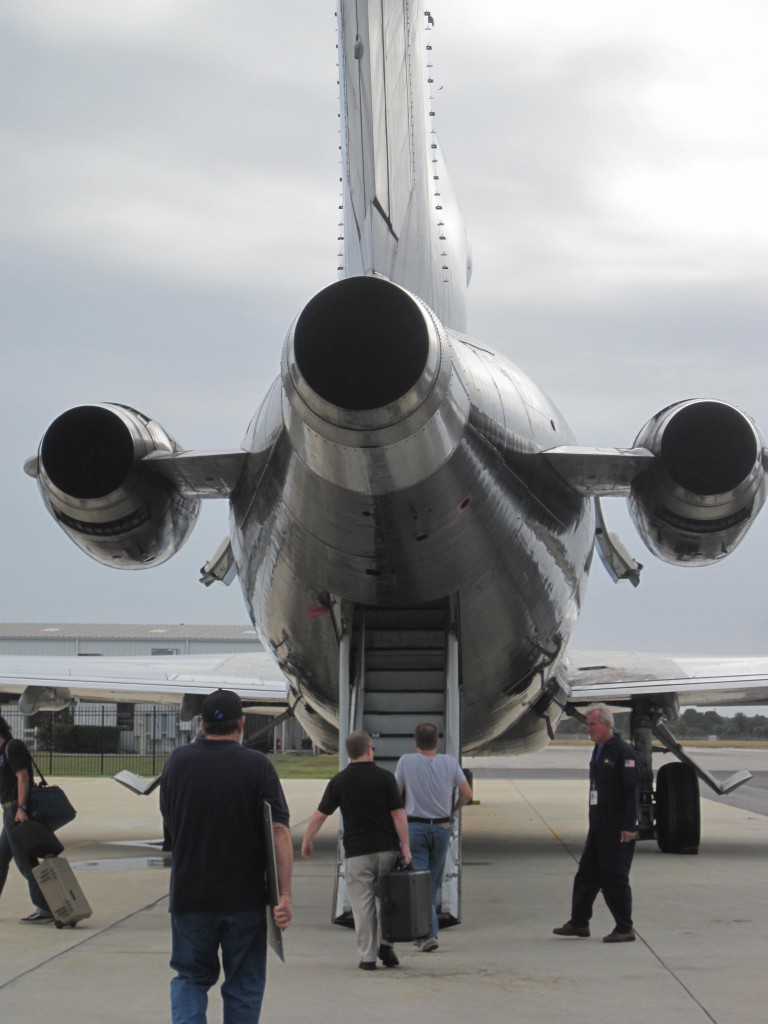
column 671, row 815
column 677, row 809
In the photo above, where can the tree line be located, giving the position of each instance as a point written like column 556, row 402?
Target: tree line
column 692, row 724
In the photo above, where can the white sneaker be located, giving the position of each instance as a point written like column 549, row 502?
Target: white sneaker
column 428, row 945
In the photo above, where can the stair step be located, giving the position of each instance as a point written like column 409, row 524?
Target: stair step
column 391, row 747
column 404, row 639
column 395, row 724
column 398, row 658
column 416, row 702
column 413, row 618
column 379, row 680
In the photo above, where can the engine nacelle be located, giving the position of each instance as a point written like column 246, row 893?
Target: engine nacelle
column 705, row 486
column 94, row 484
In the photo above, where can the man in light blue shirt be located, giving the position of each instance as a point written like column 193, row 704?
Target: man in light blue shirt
column 427, row 781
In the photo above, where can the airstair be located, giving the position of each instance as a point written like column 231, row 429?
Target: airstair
column 399, row 667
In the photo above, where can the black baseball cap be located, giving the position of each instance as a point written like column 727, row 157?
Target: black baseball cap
column 221, row 706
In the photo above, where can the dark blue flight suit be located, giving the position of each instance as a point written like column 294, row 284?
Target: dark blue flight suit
column 614, row 788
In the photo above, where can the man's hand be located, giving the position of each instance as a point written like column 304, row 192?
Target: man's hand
column 313, row 827
column 628, row 837
column 406, row 853
column 283, row 912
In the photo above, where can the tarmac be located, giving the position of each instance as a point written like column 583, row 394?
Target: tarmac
column 701, row 921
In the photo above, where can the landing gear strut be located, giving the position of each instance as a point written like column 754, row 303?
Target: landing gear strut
column 672, row 815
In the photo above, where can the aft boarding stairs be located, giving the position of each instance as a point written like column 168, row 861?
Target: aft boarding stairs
column 399, row 667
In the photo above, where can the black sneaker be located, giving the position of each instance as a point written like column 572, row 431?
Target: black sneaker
column 37, row 917
column 388, row 957
column 367, row 965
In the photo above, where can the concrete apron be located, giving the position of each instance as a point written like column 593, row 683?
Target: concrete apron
column 702, row 925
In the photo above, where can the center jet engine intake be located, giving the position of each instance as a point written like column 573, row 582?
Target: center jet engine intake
column 89, row 472
column 366, row 368
column 706, row 485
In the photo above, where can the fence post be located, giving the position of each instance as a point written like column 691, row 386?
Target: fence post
column 50, row 742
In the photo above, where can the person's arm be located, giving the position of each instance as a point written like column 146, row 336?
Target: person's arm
column 400, row 776
column 401, row 827
column 23, row 787
column 315, row 824
column 465, row 795
column 284, row 857
column 630, row 783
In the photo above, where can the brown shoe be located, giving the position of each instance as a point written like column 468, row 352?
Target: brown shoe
column 571, row 929
column 620, row 936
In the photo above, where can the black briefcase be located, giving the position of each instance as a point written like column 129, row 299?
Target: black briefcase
column 36, row 839
column 406, row 905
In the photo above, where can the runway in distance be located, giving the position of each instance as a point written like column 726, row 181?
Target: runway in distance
column 412, row 522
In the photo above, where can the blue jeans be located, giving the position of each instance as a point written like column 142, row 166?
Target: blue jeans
column 429, row 848
column 11, row 849
column 5, row 858
column 196, row 939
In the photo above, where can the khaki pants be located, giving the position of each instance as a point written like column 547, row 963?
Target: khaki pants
column 362, row 874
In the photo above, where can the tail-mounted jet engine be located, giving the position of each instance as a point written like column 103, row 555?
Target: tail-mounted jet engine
column 93, row 483
column 706, row 485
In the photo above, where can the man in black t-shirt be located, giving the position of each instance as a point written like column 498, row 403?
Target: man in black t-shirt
column 375, row 828
column 15, row 792
column 212, row 797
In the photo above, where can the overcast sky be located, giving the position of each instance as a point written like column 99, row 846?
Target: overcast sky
column 170, row 191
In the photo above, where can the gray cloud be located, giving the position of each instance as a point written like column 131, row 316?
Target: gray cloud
column 170, row 189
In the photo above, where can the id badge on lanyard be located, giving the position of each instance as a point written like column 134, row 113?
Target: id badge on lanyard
column 592, row 776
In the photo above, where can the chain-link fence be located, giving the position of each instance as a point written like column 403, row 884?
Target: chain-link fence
column 103, row 739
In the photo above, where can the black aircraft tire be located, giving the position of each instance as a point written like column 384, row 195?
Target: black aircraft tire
column 678, row 813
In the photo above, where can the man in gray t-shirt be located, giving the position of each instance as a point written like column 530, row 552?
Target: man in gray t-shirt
column 427, row 781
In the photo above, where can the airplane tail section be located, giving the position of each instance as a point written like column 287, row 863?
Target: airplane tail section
column 401, row 219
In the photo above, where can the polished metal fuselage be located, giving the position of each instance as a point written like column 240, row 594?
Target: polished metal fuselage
column 439, row 494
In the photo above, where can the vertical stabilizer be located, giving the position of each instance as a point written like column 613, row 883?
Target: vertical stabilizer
column 401, row 219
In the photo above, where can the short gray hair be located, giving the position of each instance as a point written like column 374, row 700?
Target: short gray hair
column 604, row 713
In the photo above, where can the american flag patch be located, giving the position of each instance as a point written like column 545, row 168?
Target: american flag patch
column 629, row 764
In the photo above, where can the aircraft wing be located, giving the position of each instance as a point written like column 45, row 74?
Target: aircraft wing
column 50, row 683
column 617, row 676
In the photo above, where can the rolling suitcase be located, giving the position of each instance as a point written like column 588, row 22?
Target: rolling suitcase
column 62, row 891
column 406, row 905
